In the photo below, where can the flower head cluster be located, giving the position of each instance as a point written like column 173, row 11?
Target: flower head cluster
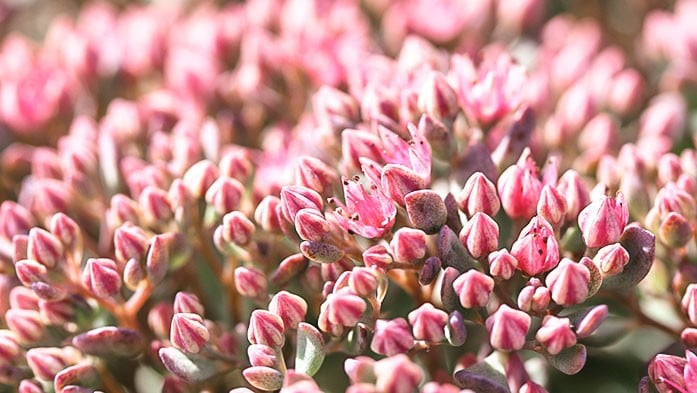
column 441, row 196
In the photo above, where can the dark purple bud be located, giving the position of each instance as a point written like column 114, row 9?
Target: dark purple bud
column 451, row 251
column 321, row 252
column 426, row 210
column 429, row 271
column 478, row 382
column 455, row 330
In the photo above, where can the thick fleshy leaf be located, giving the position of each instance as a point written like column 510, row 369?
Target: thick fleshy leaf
column 310, row 349
column 641, row 245
column 191, row 368
column 569, row 361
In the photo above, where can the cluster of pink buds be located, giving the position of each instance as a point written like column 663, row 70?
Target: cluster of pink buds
column 377, row 196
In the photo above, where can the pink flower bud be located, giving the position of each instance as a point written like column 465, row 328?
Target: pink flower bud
column 101, row 277
column 157, row 260
column 199, row 177
column 568, row 283
column 160, row 319
column 408, row 245
column 310, row 224
column 315, row 175
column 26, row 324
column 236, row 163
column 397, row 181
column 289, row 268
column 391, row 337
column 9, row 348
column 519, row 188
column 555, row 334
column 57, row 312
column 19, row 248
column 437, row 98
column 267, row 214
column 473, row 288
column 377, row 257
column 536, row 249
column 67, row 379
column 224, row 195
column 667, row 373
column 67, row 231
column 250, row 282
column 133, row 274
column 426, row 210
column 675, row 230
column 603, row 221
column 479, row 195
column 185, row 302
column 363, row 281
column 397, row 374
column 689, row 336
column 262, row 355
column 672, row 199
column 591, row 321
column 44, row 248
column 534, row 296
column 480, row 235
column 30, row 271
column 428, row 323
column 552, row 205
column 237, row 228
column 121, row 210
column 343, row 308
column 130, row 241
column 502, row 264
column 575, row 193
column 295, row 198
column 188, row 332
column 30, row 386
column 611, row 259
column 263, row 378
column 15, row 219
column 626, row 92
column 689, row 303
column 360, row 369
column 290, row 307
column 23, row 298
column 266, row 328
column 335, row 109
column 45, row 363
column 155, row 204
column 507, row 328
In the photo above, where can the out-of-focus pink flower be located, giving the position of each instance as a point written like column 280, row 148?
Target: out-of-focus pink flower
column 490, row 90
column 397, row 374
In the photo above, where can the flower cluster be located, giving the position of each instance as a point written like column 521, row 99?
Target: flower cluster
column 339, row 195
